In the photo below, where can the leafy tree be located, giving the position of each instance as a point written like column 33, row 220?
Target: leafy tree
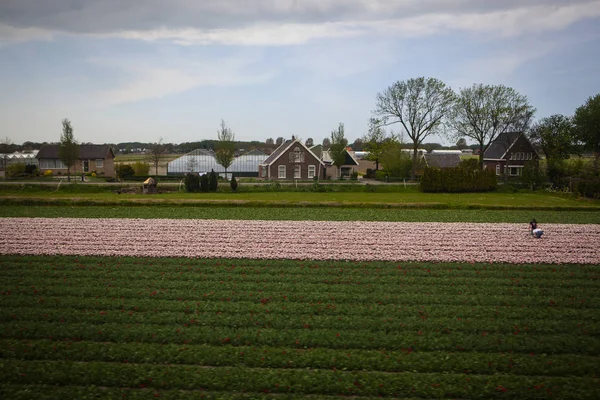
column 420, row 105
column 555, row 136
column 225, row 146
column 337, row 150
column 532, row 176
column 157, row 153
column 309, row 142
column 358, row 144
column 376, row 141
column 270, row 142
column 68, row 150
column 5, row 145
column 461, row 143
column 233, row 183
column 212, row 181
column 191, row 182
column 587, row 125
column 326, row 143
column 396, row 162
column 279, row 141
column 482, row 112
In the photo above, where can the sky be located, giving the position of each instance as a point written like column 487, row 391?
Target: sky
column 143, row 70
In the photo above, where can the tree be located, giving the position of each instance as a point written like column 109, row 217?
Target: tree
column 461, row 143
column 396, row 162
column 420, row 105
column 587, row 127
column 157, row 152
column 68, row 150
column 554, row 135
column 309, row 142
column 376, row 141
column 279, row 141
column 212, row 181
column 124, row 170
column 326, row 143
column 225, row 146
column 337, row 150
column 233, row 183
column 270, row 142
column 483, row 112
column 4, row 150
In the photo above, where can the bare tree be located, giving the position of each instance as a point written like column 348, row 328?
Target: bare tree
column 157, row 153
column 68, row 149
column 420, row 105
column 483, row 112
column 225, row 146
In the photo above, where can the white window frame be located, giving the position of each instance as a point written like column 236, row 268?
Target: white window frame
column 281, row 172
column 99, row 163
column 263, row 172
column 312, row 171
column 497, row 169
column 297, row 171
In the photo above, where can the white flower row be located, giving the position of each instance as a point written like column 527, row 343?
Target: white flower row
column 319, row 240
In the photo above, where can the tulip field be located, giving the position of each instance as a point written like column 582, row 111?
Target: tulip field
column 182, row 309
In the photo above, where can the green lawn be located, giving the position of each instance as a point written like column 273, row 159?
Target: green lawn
column 303, row 214
column 403, row 198
column 83, row 327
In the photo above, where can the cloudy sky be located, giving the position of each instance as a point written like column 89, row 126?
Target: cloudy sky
column 145, row 69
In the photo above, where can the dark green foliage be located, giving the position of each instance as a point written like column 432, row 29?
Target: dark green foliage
column 370, row 173
column 192, row 182
column 354, row 176
column 233, row 183
column 124, row 170
column 458, row 179
column 586, row 187
column 532, row 177
column 212, row 181
column 204, row 184
column 470, row 164
column 31, row 169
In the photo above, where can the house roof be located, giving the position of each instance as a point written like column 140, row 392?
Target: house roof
column 86, row 151
column 500, row 145
column 255, row 152
column 283, row 148
column 350, row 158
column 442, row 160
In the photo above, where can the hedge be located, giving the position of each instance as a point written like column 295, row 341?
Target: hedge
column 458, row 179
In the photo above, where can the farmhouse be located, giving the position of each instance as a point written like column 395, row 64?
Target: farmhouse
column 203, row 161
column 98, row 158
column 292, row 160
column 508, row 153
column 332, row 172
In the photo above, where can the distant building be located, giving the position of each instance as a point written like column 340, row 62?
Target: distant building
column 508, row 153
column 446, row 152
column 27, row 158
column 203, row 161
column 98, row 158
column 292, row 160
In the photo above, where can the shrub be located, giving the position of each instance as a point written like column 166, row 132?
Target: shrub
column 370, row 173
column 141, row 168
column 586, row 187
column 354, row 176
column 47, row 172
column 31, row 169
column 532, row 177
column 124, row 170
column 458, row 180
column 16, row 170
column 233, row 183
column 204, row 184
column 93, row 175
column 191, row 182
column 212, row 181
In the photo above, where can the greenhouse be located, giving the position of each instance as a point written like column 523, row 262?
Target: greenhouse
column 203, row 161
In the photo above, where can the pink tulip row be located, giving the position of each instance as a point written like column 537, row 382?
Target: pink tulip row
column 322, row 240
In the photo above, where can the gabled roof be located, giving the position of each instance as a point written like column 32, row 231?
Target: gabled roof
column 350, row 158
column 442, row 160
column 284, row 147
column 498, row 148
column 317, row 150
column 86, row 151
column 255, row 152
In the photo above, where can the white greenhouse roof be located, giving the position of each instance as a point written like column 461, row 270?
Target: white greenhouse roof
column 204, row 161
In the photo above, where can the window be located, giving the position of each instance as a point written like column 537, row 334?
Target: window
column 52, row 164
column 512, row 156
column 296, row 156
column 99, row 163
column 497, row 169
column 297, row 171
column 263, row 171
column 515, row 171
column 281, row 172
column 312, row 171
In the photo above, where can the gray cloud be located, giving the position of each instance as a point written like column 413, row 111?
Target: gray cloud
column 108, row 16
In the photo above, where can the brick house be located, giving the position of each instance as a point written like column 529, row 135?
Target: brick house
column 332, row 172
column 508, row 153
column 292, row 160
column 98, row 158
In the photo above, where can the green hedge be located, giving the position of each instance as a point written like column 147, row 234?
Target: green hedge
column 587, row 187
column 458, row 179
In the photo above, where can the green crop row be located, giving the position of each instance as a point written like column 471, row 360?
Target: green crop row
column 432, row 340
column 406, row 360
column 296, row 381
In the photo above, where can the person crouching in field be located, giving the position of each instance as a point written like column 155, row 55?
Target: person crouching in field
column 535, row 231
